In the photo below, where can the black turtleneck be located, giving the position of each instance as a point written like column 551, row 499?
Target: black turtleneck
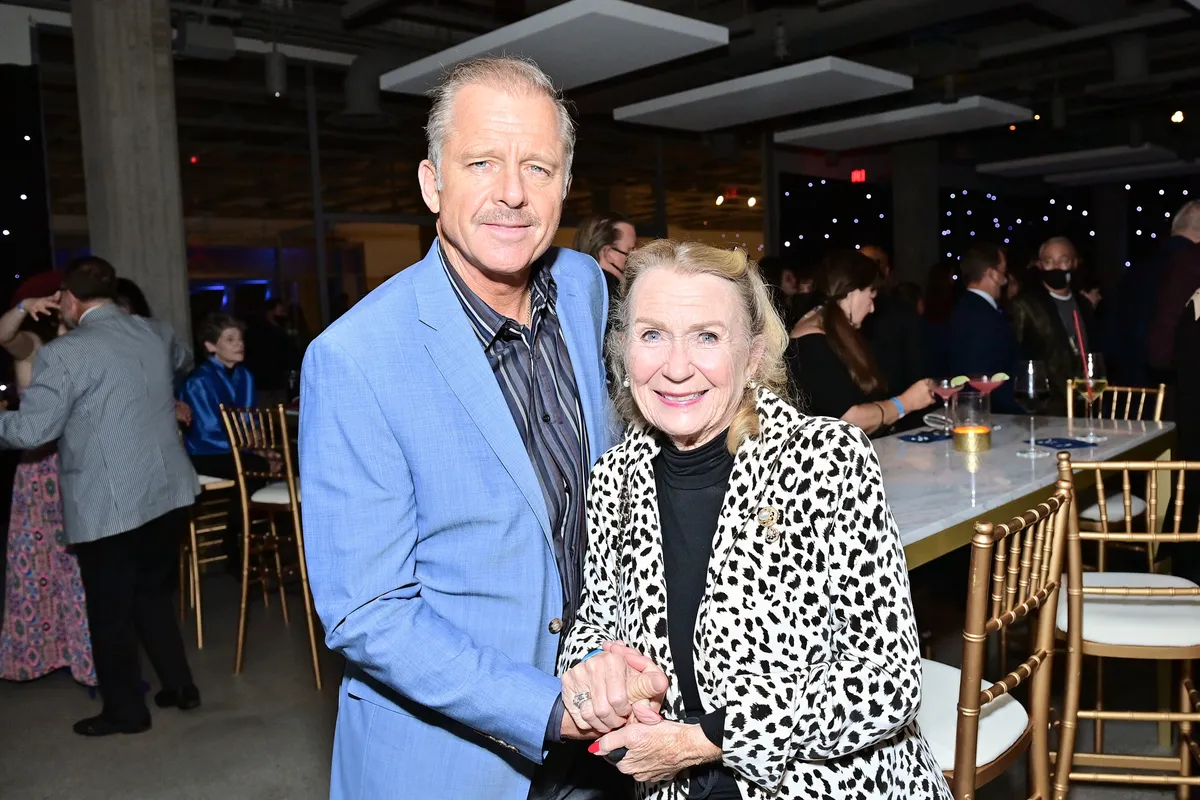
column 691, row 488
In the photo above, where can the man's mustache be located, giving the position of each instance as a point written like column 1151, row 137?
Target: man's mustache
column 513, row 218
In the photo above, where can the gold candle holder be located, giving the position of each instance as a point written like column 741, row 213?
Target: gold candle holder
column 972, row 438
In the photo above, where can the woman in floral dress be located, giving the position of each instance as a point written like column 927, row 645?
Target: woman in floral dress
column 45, row 624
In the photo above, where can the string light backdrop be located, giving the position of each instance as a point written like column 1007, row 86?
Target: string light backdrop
column 25, row 239
column 819, row 214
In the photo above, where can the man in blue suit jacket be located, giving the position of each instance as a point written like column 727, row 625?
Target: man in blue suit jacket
column 448, row 423
column 981, row 340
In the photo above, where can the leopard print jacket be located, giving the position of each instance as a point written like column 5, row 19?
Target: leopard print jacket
column 805, row 634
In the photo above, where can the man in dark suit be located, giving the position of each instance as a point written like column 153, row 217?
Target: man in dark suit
column 1043, row 318
column 981, row 340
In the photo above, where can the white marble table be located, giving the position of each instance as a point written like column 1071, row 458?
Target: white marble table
column 936, row 498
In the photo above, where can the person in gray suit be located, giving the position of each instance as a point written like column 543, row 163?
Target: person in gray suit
column 105, row 392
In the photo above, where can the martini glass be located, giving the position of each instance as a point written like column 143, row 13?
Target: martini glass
column 943, row 389
column 983, row 384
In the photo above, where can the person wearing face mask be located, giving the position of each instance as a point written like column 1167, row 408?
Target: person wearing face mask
column 980, row 339
column 828, row 359
column 1044, row 317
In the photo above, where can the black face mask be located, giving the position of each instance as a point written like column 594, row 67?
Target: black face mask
column 1057, row 279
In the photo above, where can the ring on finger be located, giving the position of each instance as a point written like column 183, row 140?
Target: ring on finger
column 580, row 699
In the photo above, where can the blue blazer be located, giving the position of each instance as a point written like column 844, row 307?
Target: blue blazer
column 428, row 541
column 981, row 340
column 210, row 385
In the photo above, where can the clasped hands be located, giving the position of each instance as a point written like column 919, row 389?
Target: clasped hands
column 615, row 697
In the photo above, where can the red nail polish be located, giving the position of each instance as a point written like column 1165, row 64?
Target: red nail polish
column 594, row 748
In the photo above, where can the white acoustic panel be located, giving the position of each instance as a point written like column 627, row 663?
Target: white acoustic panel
column 576, row 43
column 1078, row 161
column 1167, row 169
column 914, row 122
column 787, row 90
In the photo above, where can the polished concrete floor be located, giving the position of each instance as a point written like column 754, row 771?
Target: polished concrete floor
column 266, row 735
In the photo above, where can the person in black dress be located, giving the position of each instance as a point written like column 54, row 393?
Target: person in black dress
column 830, row 365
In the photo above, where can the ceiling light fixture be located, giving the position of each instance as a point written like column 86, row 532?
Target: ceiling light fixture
column 1177, row 117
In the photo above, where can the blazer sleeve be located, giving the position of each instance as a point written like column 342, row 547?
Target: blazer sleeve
column 867, row 687
column 361, row 544
column 45, row 405
column 596, row 621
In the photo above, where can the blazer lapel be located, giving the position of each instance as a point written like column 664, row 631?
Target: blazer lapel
column 576, row 321
column 460, row 359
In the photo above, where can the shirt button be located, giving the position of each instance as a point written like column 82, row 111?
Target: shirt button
column 545, row 417
column 556, row 625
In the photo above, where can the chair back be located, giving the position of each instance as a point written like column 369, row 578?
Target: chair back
column 1015, row 576
column 1124, row 402
column 261, row 432
column 1156, row 476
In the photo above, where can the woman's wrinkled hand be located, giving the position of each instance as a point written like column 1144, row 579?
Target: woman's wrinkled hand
column 603, row 692
column 658, row 752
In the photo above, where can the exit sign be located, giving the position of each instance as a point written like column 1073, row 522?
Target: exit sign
column 858, row 176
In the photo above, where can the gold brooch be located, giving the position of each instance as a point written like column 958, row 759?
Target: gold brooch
column 767, row 517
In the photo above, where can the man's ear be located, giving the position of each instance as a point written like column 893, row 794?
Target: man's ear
column 427, row 177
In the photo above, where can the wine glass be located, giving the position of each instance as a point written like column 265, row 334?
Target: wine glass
column 1032, row 390
column 945, row 389
column 1090, row 386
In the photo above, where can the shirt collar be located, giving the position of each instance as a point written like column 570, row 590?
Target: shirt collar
column 487, row 323
column 991, row 300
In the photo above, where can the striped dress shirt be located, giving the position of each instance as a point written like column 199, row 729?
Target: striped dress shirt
column 533, row 368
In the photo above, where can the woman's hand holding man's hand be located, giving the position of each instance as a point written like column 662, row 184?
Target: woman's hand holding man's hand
column 611, row 689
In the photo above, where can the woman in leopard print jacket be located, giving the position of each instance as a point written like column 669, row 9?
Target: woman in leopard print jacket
column 795, row 670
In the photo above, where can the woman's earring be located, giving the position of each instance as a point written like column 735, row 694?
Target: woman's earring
column 751, row 384
column 625, row 383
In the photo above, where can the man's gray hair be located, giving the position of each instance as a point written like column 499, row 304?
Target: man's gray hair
column 1058, row 240
column 1188, row 219
column 506, row 73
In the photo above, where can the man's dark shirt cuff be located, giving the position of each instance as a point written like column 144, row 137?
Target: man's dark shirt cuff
column 554, row 726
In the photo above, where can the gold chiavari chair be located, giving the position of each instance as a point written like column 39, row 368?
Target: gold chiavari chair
column 1015, row 577
column 1120, row 403
column 208, row 518
column 1139, row 616
column 1124, row 402
column 264, row 433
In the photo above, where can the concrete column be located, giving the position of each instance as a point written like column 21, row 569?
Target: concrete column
column 915, row 210
column 771, row 197
column 1110, row 220
column 125, row 80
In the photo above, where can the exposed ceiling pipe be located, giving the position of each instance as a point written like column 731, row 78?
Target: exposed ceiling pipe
column 362, row 109
column 1127, row 25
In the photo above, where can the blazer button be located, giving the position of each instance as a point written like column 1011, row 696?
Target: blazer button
column 556, row 625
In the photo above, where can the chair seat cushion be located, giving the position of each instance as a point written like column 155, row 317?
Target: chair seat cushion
column 276, row 493
column 1001, row 723
column 1115, row 509
column 209, row 480
column 1136, row 621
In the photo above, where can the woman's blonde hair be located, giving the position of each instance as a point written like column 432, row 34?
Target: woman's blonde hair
column 765, row 328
